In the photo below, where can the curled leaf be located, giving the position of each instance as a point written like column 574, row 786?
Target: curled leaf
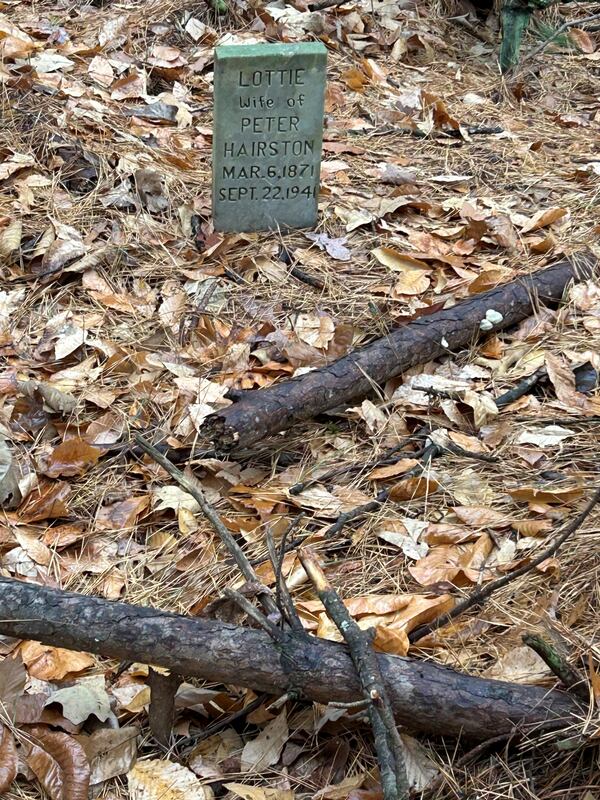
column 59, row 763
column 8, row 759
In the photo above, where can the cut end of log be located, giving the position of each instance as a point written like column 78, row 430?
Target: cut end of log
column 222, row 436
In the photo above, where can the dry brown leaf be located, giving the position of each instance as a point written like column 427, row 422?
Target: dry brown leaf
column 398, row 262
column 551, row 494
column 53, row 663
column 259, row 792
column 72, row 457
column 155, row 779
column 48, row 501
column 59, row 763
column 315, row 329
column 544, row 218
column 8, row 759
column 412, row 488
column 265, row 749
column 582, row 39
column 532, row 527
column 110, row 752
column 121, row 515
column 458, row 564
column 481, row 517
column 520, row 665
column 563, row 379
column 10, row 238
column 411, row 282
column 390, row 471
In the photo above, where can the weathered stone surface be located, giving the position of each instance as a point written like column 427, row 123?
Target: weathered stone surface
column 268, row 133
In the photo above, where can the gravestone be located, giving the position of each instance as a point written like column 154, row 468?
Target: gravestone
column 267, row 136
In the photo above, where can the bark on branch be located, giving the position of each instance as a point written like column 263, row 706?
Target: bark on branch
column 265, row 412
column 424, row 697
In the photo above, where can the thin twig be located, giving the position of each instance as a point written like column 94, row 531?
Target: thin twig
column 388, row 745
column 305, row 277
column 226, row 722
column 253, row 612
column 480, row 594
column 567, row 674
column 211, row 515
column 431, row 451
column 573, row 23
column 283, row 597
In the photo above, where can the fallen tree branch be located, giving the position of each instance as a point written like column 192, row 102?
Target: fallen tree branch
column 480, row 594
column 424, row 696
column 388, row 745
column 264, row 412
column 570, row 677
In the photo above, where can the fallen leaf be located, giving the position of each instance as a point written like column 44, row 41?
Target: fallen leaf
column 133, row 697
column 420, row 768
column 9, row 761
column 47, row 501
column 412, row 488
column 53, row 663
column 258, row 792
column 155, row 779
column 563, row 379
column 532, row 527
column 315, row 329
column 335, row 247
column 391, row 470
column 582, row 40
column 59, row 763
column 543, row 218
column 10, row 493
column 533, row 494
column 110, row 752
column 122, row 515
column 88, row 696
column 460, row 564
column 480, row 517
column 72, row 457
column 399, row 262
column 520, row 665
column 265, row 749
column 548, row 436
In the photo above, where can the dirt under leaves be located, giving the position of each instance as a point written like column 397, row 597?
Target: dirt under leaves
column 122, row 310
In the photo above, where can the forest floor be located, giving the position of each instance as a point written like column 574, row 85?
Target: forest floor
column 440, row 179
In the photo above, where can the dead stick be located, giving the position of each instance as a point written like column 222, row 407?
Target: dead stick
column 388, row 744
column 520, row 389
column 425, row 696
column 264, row 412
column 161, row 713
column 483, row 592
column 282, row 592
column 567, row 674
column 211, row 515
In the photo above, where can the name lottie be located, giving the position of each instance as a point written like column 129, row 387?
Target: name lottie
column 272, row 77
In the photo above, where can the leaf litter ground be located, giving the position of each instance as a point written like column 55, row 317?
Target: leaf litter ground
column 121, row 310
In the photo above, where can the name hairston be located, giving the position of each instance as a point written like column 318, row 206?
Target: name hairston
column 294, row 147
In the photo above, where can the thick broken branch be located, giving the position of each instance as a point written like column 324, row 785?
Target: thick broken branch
column 266, row 411
column 424, row 697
